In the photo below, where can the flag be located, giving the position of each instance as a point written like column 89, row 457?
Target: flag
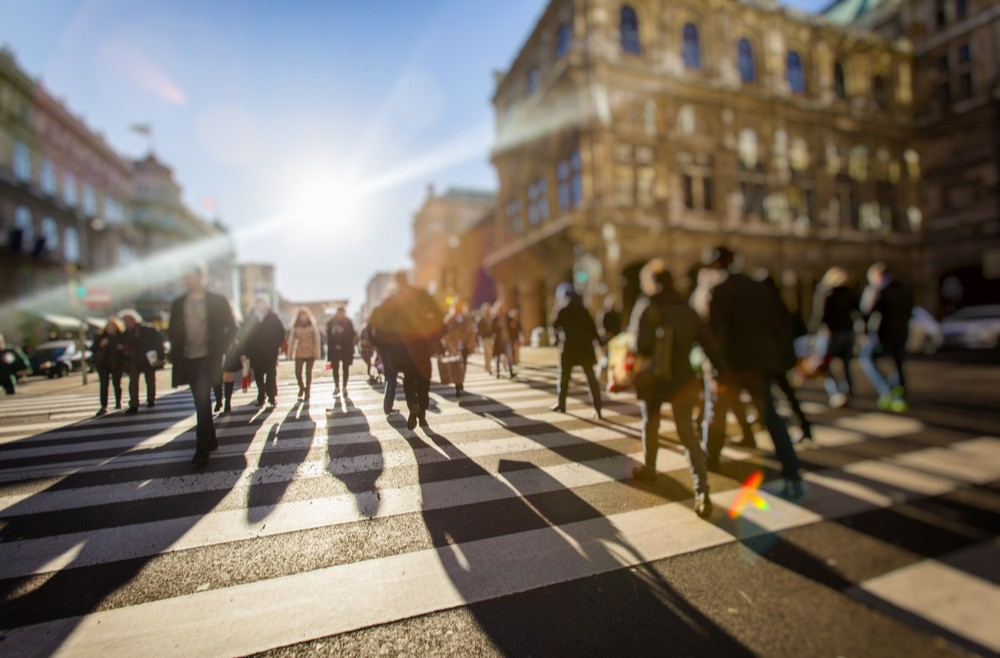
column 142, row 129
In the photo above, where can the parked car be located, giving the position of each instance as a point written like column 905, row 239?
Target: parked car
column 925, row 332
column 973, row 327
column 57, row 358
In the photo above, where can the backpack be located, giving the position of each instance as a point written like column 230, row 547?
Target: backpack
column 628, row 369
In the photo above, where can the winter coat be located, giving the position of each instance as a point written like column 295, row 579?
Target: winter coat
column 409, row 321
column 109, row 352
column 264, row 339
column 221, row 331
column 752, row 326
column 340, row 339
column 837, row 309
column 889, row 317
column 138, row 341
column 577, row 333
column 304, row 342
column 460, row 334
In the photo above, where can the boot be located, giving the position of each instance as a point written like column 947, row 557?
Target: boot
column 229, row 397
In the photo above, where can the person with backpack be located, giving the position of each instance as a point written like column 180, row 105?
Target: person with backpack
column 887, row 305
column 665, row 330
column 577, row 339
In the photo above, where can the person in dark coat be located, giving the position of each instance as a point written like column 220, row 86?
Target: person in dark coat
column 201, row 330
column 835, row 309
column 577, row 340
column 109, row 361
column 409, row 326
column 263, row 343
column 340, row 341
column 751, row 324
column 886, row 305
column 484, row 332
column 12, row 362
column 666, row 330
column 143, row 349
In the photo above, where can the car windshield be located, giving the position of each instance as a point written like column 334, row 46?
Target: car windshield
column 48, row 353
column 977, row 313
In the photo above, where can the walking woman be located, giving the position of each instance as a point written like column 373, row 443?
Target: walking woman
column 304, row 348
column 503, row 338
column 109, row 359
column 340, row 348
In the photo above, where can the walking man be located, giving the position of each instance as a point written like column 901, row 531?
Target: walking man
column 262, row 345
column 143, row 353
column 887, row 305
column 201, row 330
column 577, row 340
column 340, row 339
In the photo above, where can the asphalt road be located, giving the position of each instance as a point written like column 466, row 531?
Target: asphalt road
column 503, row 529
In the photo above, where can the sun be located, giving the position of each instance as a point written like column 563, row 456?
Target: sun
column 325, row 201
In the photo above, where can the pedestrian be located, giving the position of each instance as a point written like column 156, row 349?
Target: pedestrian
column 666, row 329
column 609, row 325
column 886, row 305
column 503, row 338
column 751, row 324
column 340, row 340
column 484, row 332
column 516, row 334
column 459, row 338
column 144, row 352
column 304, row 348
column 12, row 362
column 201, row 330
column 835, row 311
column 367, row 350
column 264, row 338
column 408, row 325
column 109, row 361
column 578, row 338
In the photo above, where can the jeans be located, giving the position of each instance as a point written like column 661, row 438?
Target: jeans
column 759, row 387
column 199, row 373
column 110, row 377
column 308, row 365
column 683, row 400
column 141, row 368
column 871, row 350
column 566, row 370
column 343, row 369
column 841, row 347
column 265, row 375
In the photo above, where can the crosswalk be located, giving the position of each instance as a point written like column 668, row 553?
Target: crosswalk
column 315, row 521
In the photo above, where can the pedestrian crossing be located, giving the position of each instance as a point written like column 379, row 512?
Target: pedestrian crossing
column 320, row 520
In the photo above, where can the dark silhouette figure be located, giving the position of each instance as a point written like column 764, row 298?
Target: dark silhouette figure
column 109, row 361
column 143, row 349
column 340, row 340
column 835, row 309
column 577, row 340
column 263, row 342
column 887, row 305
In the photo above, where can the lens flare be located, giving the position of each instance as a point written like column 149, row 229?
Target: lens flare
column 748, row 496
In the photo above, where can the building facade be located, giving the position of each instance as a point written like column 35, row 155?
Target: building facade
column 626, row 131
column 438, row 228
column 255, row 279
column 375, row 292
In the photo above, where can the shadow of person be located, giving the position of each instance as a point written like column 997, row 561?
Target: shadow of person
column 286, row 447
column 354, row 458
column 67, row 561
column 544, row 573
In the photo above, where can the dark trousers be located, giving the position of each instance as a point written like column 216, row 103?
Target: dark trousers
column 416, row 369
column 7, row 379
column 841, row 347
column 759, row 388
column 339, row 367
column 308, row 365
column 110, row 377
column 390, row 372
column 566, row 366
column 788, row 390
column 199, row 373
column 683, row 400
column 143, row 368
column 265, row 374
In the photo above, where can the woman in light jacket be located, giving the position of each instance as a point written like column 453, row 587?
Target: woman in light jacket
column 304, row 347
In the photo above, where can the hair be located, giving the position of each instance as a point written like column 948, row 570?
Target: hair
column 834, row 277
column 310, row 319
column 654, row 277
column 402, row 278
column 116, row 323
column 130, row 313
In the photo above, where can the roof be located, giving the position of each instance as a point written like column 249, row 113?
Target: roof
column 849, row 11
column 469, row 193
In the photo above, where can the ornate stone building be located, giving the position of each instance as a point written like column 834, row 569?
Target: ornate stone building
column 661, row 128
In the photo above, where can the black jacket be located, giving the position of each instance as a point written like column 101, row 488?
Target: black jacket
column 889, row 318
column 221, row 330
column 577, row 333
column 264, row 340
column 138, row 341
column 752, row 325
column 838, row 309
column 340, row 339
column 109, row 351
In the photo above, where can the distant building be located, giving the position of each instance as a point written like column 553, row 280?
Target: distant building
column 322, row 310
column 375, row 292
column 437, row 231
column 256, row 279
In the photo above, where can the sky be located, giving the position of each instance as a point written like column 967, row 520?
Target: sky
column 316, row 127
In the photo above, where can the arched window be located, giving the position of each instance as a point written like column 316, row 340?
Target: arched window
column 796, row 76
column 50, row 233
column 878, row 90
column 47, row 175
column 692, row 47
column 22, row 162
column 839, row 87
column 71, row 246
column 25, row 228
column 564, row 37
column 629, row 28
column 748, row 70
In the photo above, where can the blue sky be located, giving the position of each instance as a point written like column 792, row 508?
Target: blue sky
column 284, row 112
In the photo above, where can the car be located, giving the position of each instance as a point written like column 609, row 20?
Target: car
column 57, row 358
column 925, row 332
column 973, row 327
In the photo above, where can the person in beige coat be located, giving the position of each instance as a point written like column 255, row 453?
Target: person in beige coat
column 304, row 347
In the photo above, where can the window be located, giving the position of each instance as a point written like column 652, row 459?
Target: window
column 576, row 179
column 688, row 192
column 532, row 80
column 692, row 47
column 71, row 247
column 24, row 229
column 965, row 85
column 839, row 87
column 538, row 202
column 748, row 70
column 562, row 173
column 50, row 234
column 89, row 200
column 796, row 76
column 564, row 37
column 635, row 177
column 944, row 93
column 940, row 18
column 847, row 201
column 878, row 90
column 47, row 176
column 629, row 29
column 961, row 8
column 69, row 189
column 513, row 214
column 22, row 162
column 707, row 193
column 964, row 53
column 753, row 188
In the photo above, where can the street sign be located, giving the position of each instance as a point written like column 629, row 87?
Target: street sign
column 97, row 298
